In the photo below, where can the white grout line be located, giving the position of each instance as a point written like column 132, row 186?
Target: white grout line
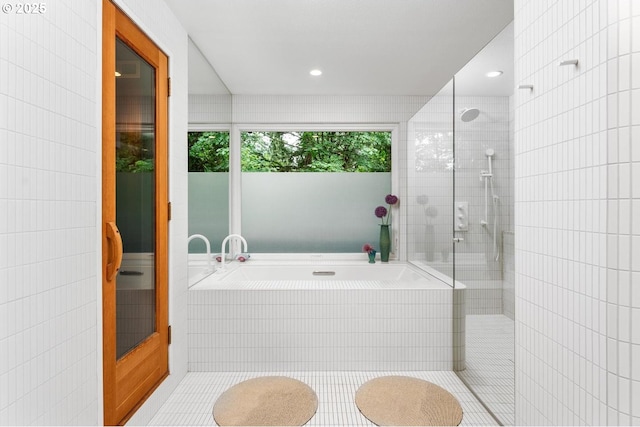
column 192, row 401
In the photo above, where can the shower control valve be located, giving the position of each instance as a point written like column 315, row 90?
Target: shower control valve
column 462, row 214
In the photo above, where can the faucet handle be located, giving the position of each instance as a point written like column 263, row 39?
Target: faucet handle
column 242, row 257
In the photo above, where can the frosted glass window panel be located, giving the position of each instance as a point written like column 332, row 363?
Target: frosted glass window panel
column 208, row 209
column 309, row 212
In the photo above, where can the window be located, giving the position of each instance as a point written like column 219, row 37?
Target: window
column 208, row 188
column 301, row 191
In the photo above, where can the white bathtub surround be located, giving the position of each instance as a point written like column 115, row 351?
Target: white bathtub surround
column 459, row 328
column 365, row 317
column 199, row 267
column 337, row 275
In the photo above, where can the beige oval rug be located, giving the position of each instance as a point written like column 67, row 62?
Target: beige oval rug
column 266, row 401
column 407, row 401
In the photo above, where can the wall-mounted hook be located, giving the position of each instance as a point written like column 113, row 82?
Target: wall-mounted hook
column 569, row 62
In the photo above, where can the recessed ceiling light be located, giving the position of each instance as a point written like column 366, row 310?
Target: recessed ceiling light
column 494, row 73
column 315, row 72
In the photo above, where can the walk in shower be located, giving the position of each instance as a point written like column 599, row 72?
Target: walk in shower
column 460, row 210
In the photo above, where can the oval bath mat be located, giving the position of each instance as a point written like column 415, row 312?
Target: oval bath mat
column 266, row 401
column 407, row 401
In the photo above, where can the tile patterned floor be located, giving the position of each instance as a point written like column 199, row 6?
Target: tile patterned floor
column 490, row 363
column 192, row 401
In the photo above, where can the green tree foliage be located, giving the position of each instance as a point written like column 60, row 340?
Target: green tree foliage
column 208, row 151
column 294, row 151
column 134, row 152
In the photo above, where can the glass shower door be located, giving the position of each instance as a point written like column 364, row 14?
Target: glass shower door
column 430, row 201
column 484, row 260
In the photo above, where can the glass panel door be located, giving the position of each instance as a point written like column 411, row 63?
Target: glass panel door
column 135, row 197
column 484, row 260
column 431, row 155
column 135, row 215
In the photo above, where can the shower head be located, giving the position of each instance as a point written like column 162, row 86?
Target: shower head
column 489, row 152
column 469, row 114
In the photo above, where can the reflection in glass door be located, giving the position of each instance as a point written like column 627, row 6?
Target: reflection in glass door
column 135, row 215
column 135, row 197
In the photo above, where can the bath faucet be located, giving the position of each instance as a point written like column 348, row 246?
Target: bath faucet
column 224, row 242
column 208, row 246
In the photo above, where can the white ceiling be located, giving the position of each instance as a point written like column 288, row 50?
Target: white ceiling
column 363, row 47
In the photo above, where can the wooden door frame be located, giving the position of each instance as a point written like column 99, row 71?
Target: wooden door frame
column 140, row 379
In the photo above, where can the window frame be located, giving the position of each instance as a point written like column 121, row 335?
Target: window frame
column 235, row 166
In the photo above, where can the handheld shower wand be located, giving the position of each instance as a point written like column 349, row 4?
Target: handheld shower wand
column 487, row 176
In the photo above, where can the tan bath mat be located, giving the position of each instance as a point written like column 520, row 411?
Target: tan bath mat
column 266, row 401
column 407, row 401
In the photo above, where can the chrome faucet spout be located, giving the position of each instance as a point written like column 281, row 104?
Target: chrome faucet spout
column 224, row 243
column 207, row 245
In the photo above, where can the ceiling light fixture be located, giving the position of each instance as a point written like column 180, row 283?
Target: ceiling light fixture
column 315, row 72
column 494, row 73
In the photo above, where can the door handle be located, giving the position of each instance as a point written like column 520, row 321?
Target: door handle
column 114, row 248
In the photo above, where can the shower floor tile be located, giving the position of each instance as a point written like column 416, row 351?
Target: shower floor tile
column 192, row 401
column 490, row 366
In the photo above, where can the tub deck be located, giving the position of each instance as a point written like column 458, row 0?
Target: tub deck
column 268, row 276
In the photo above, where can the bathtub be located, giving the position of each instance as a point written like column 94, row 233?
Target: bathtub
column 198, row 268
column 274, row 316
column 319, row 276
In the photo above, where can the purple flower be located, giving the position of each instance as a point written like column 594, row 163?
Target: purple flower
column 381, row 211
column 384, row 213
column 367, row 248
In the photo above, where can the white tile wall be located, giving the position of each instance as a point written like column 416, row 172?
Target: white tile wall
column 49, row 271
column 50, row 154
column 210, row 109
column 509, row 282
column 576, row 239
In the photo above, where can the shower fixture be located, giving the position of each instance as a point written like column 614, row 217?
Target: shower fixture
column 487, row 177
column 469, row 114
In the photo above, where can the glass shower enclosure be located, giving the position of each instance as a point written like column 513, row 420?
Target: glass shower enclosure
column 460, row 210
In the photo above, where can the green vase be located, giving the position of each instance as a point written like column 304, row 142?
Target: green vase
column 385, row 242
